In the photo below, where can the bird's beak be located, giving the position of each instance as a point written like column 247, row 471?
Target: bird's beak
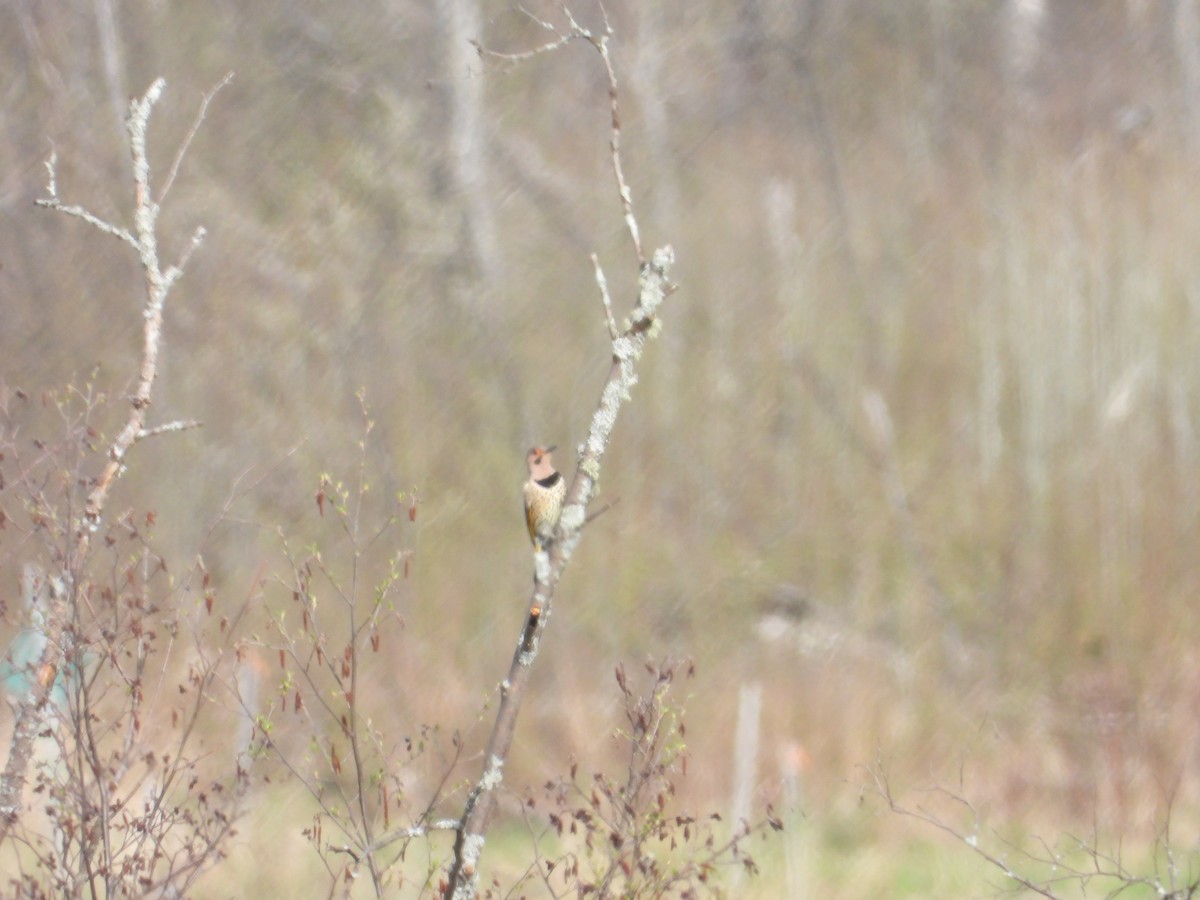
column 551, row 448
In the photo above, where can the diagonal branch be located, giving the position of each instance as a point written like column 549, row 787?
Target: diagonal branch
column 187, row 141
column 549, row 566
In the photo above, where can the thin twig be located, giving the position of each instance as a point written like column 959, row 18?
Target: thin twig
column 414, row 832
column 95, row 221
column 883, row 788
column 592, row 516
column 176, row 270
column 602, row 283
column 187, row 141
column 51, row 175
column 169, row 428
column 562, row 38
column 601, row 45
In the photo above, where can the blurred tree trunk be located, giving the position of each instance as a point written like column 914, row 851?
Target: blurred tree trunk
column 1025, row 20
column 110, row 51
column 650, row 86
column 1187, row 54
column 467, row 146
column 474, row 270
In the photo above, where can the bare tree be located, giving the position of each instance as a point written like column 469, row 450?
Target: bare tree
column 628, row 343
column 130, row 809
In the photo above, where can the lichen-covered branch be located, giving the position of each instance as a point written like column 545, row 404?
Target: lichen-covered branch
column 627, row 347
column 654, row 286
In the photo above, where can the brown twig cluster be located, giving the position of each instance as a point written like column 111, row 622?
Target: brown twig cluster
column 144, row 240
column 317, row 722
column 623, row 837
column 105, row 706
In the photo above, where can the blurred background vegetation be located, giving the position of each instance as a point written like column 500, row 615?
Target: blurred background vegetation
column 917, row 451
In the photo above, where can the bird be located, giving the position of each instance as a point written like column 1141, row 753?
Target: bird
column 544, row 494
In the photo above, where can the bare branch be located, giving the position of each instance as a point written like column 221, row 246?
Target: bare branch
column 562, row 39
column 145, row 217
column 187, row 141
column 602, row 283
column 654, row 285
column 882, row 787
column 51, row 175
column 176, row 270
column 600, row 43
column 592, row 516
column 170, row 428
column 415, row 831
column 90, row 219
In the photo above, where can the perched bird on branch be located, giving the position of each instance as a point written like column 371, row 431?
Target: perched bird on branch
column 544, row 494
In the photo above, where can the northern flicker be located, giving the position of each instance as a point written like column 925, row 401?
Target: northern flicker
column 544, row 493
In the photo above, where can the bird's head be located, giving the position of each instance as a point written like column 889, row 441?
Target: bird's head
column 538, row 460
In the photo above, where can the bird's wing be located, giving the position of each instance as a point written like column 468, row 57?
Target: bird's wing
column 529, row 521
